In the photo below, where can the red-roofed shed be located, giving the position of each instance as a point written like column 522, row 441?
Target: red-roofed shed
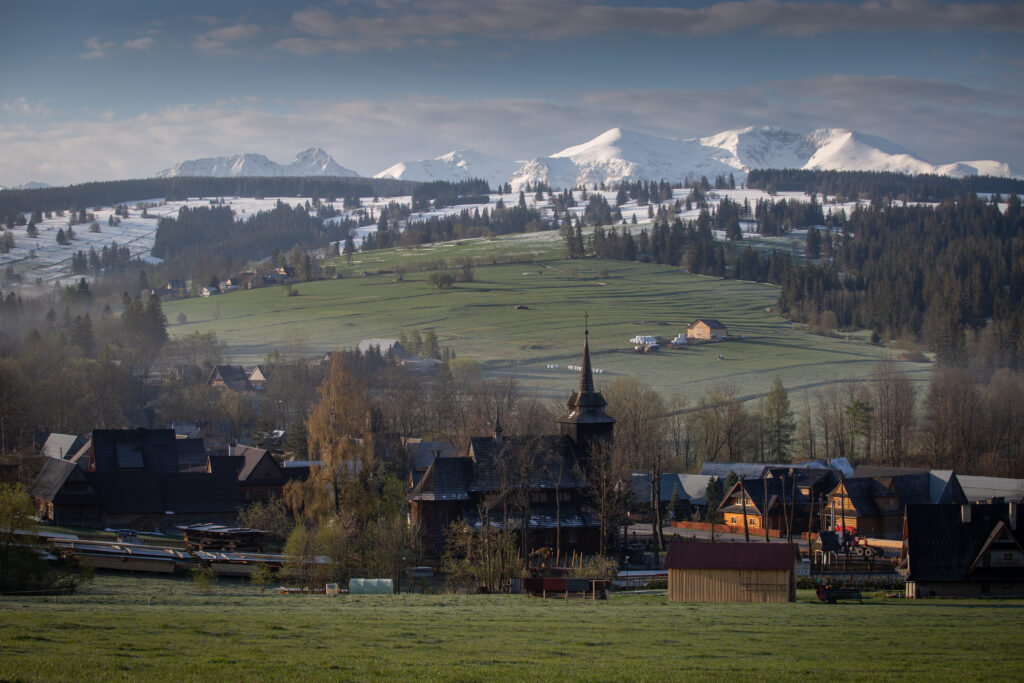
column 699, row 571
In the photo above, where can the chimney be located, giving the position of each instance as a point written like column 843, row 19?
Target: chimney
column 965, row 514
column 1013, row 515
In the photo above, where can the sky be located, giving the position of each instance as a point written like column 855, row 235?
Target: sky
column 121, row 89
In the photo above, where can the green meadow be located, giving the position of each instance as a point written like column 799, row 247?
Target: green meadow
column 479, row 320
column 125, row 627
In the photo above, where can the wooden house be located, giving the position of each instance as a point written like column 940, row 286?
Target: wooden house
column 176, row 289
column 258, row 377
column 782, row 499
column 132, row 479
column 706, row 329
column 963, row 550
column 699, row 571
column 229, row 377
column 873, row 506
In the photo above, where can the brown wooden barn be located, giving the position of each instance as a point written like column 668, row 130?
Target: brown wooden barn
column 700, row 571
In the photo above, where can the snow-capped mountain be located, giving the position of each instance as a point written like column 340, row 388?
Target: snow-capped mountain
column 462, row 164
column 618, row 155
column 30, row 185
column 311, row 162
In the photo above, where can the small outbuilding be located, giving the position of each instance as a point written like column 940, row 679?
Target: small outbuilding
column 700, row 571
column 707, row 329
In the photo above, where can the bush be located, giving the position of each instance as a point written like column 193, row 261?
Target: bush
column 204, row 578
column 262, row 576
column 442, row 280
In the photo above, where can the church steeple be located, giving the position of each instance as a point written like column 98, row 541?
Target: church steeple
column 586, row 421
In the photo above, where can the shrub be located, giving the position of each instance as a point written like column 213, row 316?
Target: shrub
column 442, row 280
column 204, row 578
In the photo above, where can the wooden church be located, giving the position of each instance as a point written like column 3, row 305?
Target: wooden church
column 536, row 483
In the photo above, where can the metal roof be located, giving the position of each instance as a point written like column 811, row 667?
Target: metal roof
column 705, row 555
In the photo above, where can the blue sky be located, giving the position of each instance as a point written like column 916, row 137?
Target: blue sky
column 101, row 90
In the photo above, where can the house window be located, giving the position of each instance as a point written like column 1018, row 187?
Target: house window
column 752, row 521
column 732, row 520
column 538, row 497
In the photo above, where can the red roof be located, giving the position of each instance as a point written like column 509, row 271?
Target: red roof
column 706, row 555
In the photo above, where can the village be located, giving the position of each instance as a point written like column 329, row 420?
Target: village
column 735, row 532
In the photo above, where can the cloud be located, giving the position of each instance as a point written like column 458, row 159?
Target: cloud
column 143, row 43
column 24, row 107
column 941, row 121
column 223, row 40
column 95, row 49
column 392, row 24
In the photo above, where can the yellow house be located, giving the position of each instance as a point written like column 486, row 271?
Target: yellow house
column 707, row 329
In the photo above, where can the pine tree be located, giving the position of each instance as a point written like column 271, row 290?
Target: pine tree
column 778, row 423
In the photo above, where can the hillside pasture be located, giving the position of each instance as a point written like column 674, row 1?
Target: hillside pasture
column 479, row 320
column 126, row 627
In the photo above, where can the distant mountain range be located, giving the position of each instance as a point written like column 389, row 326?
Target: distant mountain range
column 619, row 155
column 311, row 162
column 30, row 185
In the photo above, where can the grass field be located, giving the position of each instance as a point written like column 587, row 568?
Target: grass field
column 143, row 628
column 478, row 320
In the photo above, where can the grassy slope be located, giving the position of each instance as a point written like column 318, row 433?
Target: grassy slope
column 477, row 320
column 126, row 627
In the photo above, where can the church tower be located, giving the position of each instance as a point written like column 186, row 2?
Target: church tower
column 586, row 423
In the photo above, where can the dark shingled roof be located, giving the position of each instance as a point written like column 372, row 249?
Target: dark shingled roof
column 445, row 479
column 704, row 555
column 154, row 450
column 940, row 546
column 554, row 463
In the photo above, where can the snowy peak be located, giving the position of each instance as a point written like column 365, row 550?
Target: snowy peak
column 461, row 164
column 311, row 162
column 618, row 155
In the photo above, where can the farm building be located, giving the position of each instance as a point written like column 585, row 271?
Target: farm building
column 963, row 550
column 699, row 571
column 707, row 329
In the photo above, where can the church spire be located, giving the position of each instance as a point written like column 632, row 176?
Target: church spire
column 586, row 373
column 586, row 420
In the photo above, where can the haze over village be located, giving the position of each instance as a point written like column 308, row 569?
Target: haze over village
column 551, row 340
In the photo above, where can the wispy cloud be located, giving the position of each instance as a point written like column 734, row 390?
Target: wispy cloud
column 391, row 24
column 224, row 40
column 141, row 44
column 24, row 107
column 95, row 48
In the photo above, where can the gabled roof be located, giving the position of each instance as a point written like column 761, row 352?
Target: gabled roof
column 51, row 478
column 445, row 479
column 153, row 450
column 779, row 491
column 985, row 488
column 234, row 376
column 941, row 546
column 705, row 555
column 253, row 458
column 553, row 463
column 61, row 446
column 911, row 489
column 670, row 483
column 710, row 322
column 422, row 453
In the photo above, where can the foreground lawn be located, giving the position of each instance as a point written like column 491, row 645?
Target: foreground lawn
column 143, row 628
column 479, row 320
